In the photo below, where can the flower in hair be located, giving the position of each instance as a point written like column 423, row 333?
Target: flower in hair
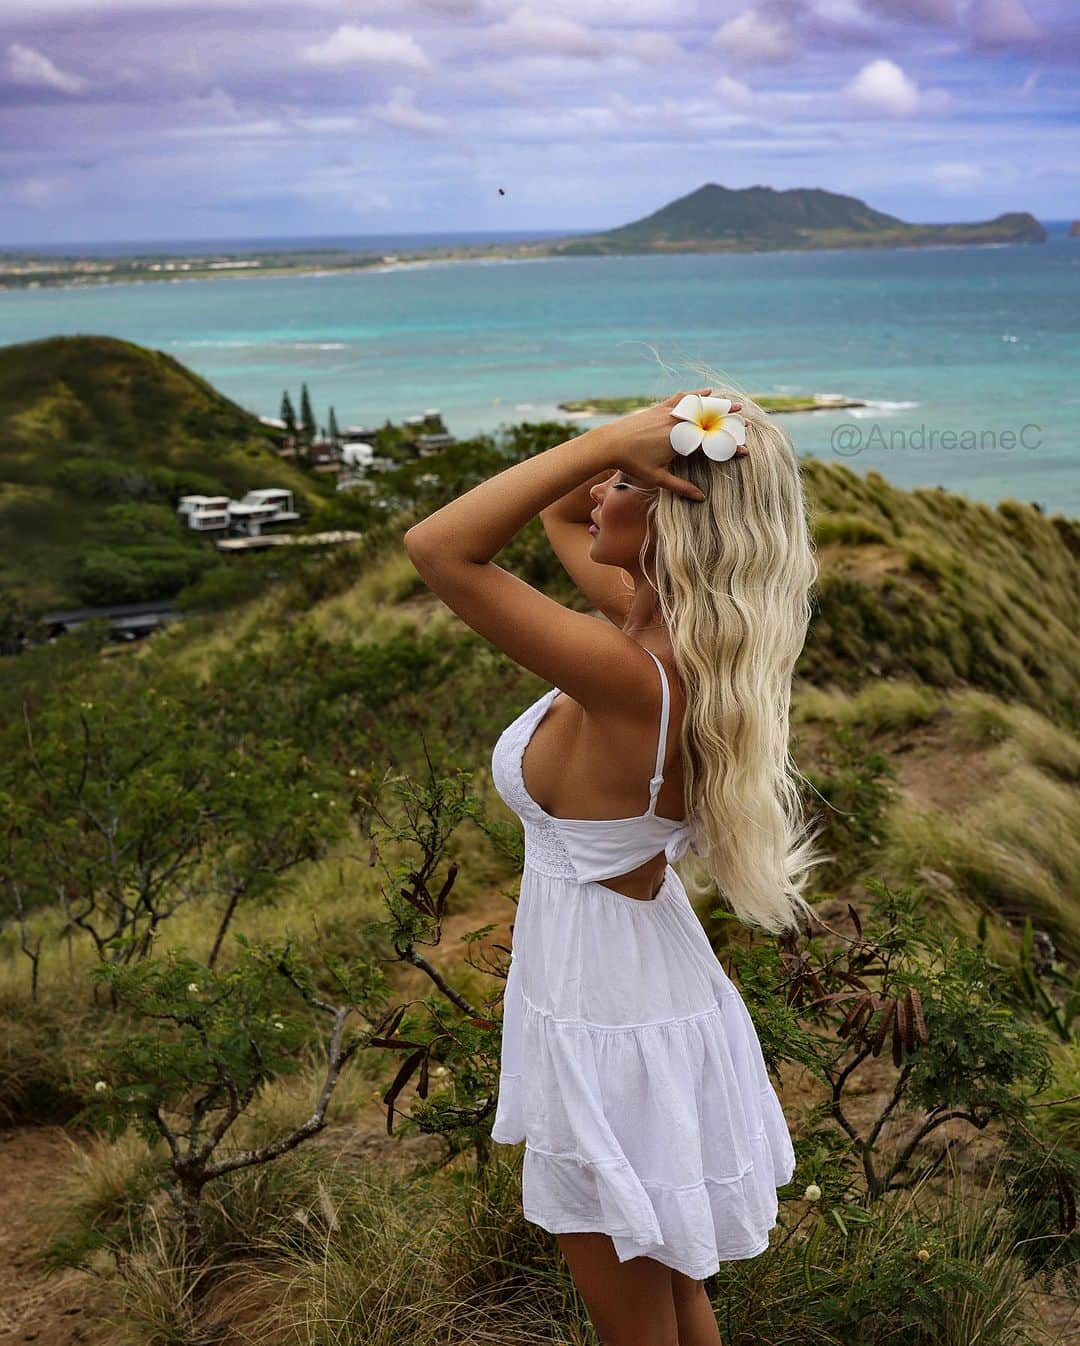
column 706, row 423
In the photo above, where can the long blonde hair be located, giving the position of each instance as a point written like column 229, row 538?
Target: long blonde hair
column 733, row 580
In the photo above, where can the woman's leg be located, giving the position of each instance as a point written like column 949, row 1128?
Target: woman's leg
column 629, row 1303
column 694, row 1313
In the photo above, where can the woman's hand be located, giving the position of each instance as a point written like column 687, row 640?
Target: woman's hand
column 641, row 444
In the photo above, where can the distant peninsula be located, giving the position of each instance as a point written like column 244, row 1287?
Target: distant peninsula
column 710, row 219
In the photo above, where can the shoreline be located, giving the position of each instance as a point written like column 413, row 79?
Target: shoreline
column 421, row 262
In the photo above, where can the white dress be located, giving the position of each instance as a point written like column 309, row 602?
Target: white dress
column 630, row 1065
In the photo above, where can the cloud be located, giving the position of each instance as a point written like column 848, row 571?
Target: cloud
column 734, row 92
column 1029, row 83
column 531, row 30
column 350, row 45
column 958, row 179
column 755, row 37
column 36, row 191
column 1002, row 23
column 882, row 86
column 27, row 66
column 217, row 103
column 401, row 111
column 650, row 48
column 916, row 11
column 234, row 130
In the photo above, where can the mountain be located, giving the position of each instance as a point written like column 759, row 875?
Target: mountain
column 719, row 219
column 98, row 438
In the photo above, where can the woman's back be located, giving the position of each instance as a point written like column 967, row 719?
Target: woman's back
column 601, row 783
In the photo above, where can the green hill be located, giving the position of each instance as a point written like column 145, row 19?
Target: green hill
column 716, row 218
column 98, row 438
column 291, row 765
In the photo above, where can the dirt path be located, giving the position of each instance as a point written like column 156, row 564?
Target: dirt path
column 50, row 1308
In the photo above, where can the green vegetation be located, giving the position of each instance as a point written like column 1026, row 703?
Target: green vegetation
column 284, row 802
column 98, row 439
column 720, row 219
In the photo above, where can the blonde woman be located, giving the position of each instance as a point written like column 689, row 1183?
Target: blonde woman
column 654, row 1141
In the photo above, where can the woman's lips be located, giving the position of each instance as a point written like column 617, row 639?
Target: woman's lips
column 593, row 528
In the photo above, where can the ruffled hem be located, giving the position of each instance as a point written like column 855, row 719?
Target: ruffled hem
column 691, row 1228
column 644, row 1101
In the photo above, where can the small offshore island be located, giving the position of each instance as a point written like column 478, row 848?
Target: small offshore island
column 774, row 403
column 711, row 219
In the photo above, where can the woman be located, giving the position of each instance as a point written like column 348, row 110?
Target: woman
column 654, row 1141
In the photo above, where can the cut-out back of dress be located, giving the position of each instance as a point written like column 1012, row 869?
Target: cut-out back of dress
column 586, row 849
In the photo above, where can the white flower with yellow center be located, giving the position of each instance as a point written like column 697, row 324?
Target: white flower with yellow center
column 705, row 423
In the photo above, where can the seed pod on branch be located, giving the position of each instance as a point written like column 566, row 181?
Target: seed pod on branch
column 917, row 1015
column 854, row 1014
column 887, row 1017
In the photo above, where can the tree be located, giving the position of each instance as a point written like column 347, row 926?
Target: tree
column 335, row 433
column 307, row 416
column 199, row 1045
column 126, row 814
column 288, row 413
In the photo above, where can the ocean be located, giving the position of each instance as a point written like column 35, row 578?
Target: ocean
column 967, row 356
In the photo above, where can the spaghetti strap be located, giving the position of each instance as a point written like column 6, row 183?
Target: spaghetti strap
column 665, row 704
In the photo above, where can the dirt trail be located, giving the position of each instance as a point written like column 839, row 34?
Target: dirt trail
column 61, row 1308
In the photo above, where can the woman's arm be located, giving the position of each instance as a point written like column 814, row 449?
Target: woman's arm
column 478, row 525
column 598, row 666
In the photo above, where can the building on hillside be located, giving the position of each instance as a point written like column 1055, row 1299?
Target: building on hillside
column 433, row 443
column 205, row 513
column 357, row 454
column 259, row 509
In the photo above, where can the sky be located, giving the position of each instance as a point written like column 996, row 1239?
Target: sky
column 173, row 119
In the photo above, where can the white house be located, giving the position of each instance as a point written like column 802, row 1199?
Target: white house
column 270, row 505
column 204, row 513
column 357, row 454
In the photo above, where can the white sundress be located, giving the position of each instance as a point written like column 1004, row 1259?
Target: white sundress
column 630, row 1066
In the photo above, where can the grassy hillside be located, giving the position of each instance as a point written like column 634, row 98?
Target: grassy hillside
column 934, row 717
column 98, row 438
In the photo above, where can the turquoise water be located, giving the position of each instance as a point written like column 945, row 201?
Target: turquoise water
column 977, row 341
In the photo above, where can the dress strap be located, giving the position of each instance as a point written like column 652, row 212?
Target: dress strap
column 658, row 772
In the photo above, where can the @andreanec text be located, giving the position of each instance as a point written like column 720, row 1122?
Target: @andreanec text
column 852, row 437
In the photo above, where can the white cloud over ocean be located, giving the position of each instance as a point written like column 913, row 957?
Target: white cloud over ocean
column 179, row 118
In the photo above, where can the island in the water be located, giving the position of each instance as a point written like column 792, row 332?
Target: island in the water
column 771, row 402
column 711, row 219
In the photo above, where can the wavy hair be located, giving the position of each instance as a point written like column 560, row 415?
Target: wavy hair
column 734, row 576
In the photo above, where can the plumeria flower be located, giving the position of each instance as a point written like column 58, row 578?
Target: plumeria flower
column 812, row 1193
column 100, row 1086
column 705, row 423
column 193, row 988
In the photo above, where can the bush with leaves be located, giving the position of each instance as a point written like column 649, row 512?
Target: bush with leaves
column 122, row 812
column 197, row 1045
column 902, row 993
